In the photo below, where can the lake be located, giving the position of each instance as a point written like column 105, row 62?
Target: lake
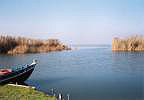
column 87, row 73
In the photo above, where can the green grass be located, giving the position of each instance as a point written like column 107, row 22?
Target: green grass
column 19, row 93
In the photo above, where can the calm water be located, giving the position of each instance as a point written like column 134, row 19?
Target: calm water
column 87, row 73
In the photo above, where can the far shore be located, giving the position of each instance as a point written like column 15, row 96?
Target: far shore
column 134, row 43
column 21, row 45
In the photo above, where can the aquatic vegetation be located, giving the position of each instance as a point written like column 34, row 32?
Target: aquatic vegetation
column 16, row 45
column 131, row 43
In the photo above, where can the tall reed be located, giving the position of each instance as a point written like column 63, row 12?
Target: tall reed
column 131, row 43
column 9, row 44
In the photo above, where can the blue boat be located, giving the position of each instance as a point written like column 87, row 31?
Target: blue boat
column 16, row 74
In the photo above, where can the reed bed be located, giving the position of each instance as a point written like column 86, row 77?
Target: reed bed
column 16, row 45
column 131, row 43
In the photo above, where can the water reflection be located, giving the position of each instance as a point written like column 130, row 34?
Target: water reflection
column 128, row 61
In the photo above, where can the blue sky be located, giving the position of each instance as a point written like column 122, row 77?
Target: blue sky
column 72, row 21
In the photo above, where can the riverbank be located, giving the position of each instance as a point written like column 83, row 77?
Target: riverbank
column 8, row 92
column 21, row 45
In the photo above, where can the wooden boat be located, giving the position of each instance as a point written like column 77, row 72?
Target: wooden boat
column 5, row 71
column 16, row 74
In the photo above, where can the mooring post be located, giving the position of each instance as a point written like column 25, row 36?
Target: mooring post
column 52, row 91
column 68, row 96
column 59, row 96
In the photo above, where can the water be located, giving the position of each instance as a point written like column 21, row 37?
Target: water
column 87, row 73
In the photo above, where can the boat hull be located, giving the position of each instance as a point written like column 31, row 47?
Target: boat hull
column 18, row 77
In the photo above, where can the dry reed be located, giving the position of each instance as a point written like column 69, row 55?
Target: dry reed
column 15, row 45
column 131, row 43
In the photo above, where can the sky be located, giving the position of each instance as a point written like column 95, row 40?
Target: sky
column 72, row 21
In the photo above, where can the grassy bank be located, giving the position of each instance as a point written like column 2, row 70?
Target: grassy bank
column 21, row 45
column 131, row 43
column 19, row 93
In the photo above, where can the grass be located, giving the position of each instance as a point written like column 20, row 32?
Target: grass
column 19, row 93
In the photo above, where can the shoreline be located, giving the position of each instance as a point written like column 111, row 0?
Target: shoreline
column 22, row 92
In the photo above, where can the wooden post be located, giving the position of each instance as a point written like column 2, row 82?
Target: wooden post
column 68, row 96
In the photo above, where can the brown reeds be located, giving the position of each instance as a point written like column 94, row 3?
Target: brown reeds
column 131, row 43
column 15, row 45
